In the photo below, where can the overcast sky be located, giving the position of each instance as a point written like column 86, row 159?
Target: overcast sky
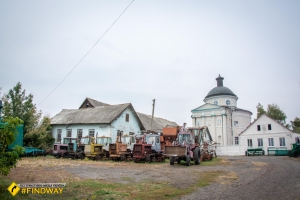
column 168, row 50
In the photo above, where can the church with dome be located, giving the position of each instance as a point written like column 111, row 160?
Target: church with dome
column 221, row 114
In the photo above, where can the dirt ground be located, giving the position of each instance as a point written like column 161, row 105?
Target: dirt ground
column 260, row 177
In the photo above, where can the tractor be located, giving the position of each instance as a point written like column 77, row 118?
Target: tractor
column 59, row 150
column 295, row 151
column 93, row 150
column 148, row 149
column 75, row 151
column 118, row 150
column 105, row 141
column 184, row 148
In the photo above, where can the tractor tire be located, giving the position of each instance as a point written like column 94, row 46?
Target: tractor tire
column 196, row 153
column 296, row 154
column 148, row 159
column 81, row 156
column 188, row 160
column 172, row 160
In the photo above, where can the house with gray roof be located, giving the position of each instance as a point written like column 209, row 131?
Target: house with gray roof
column 98, row 119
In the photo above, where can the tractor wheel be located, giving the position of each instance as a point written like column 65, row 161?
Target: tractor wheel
column 123, row 158
column 81, row 156
column 148, row 159
column 296, row 154
column 172, row 159
column 188, row 160
column 65, row 155
column 197, row 155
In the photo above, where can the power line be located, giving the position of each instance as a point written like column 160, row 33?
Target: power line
column 86, row 53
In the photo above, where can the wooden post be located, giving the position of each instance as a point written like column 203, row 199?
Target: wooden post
column 152, row 113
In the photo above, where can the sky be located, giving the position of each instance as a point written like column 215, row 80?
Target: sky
column 170, row 51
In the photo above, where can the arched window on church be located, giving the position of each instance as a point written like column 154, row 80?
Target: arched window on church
column 215, row 102
column 228, row 102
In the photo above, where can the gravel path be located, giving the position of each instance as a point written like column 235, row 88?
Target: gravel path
column 259, row 177
column 252, row 177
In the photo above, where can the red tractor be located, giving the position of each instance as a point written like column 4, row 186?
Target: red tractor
column 184, row 148
column 148, row 149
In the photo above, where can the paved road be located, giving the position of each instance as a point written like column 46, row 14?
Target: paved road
column 259, row 177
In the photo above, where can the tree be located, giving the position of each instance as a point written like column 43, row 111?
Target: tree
column 37, row 131
column 17, row 104
column 273, row 111
column 296, row 125
column 260, row 110
column 7, row 137
column 276, row 113
column 40, row 135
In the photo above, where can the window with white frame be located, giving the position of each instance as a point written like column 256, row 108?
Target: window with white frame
column 58, row 139
column 69, row 132
column 215, row 102
column 79, row 133
column 258, row 127
column 92, row 132
column 198, row 123
column 260, row 142
column 236, row 140
column 269, row 127
column 228, row 102
column 282, row 142
column 271, row 142
column 249, row 142
column 236, row 123
column 219, row 122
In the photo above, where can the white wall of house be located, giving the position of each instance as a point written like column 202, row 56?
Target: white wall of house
column 108, row 130
column 278, row 136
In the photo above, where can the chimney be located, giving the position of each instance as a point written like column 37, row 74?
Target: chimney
column 219, row 81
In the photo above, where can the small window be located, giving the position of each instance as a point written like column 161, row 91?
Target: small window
column 219, row 122
column 260, row 142
column 58, row 139
column 79, row 133
column 249, row 142
column 269, row 127
column 282, row 142
column 236, row 140
column 258, row 127
column 271, row 142
column 63, row 147
column 228, row 102
column 69, row 133
column 92, row 132
column 236, row 123
column 215, row 102
column 127, row 117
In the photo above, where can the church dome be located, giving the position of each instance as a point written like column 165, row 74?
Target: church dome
column 220, row 89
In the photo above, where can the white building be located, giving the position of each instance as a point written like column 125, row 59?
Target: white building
column 222, row 116
column 266, row 133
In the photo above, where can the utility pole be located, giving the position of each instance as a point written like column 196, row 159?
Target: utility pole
column 153, row 105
